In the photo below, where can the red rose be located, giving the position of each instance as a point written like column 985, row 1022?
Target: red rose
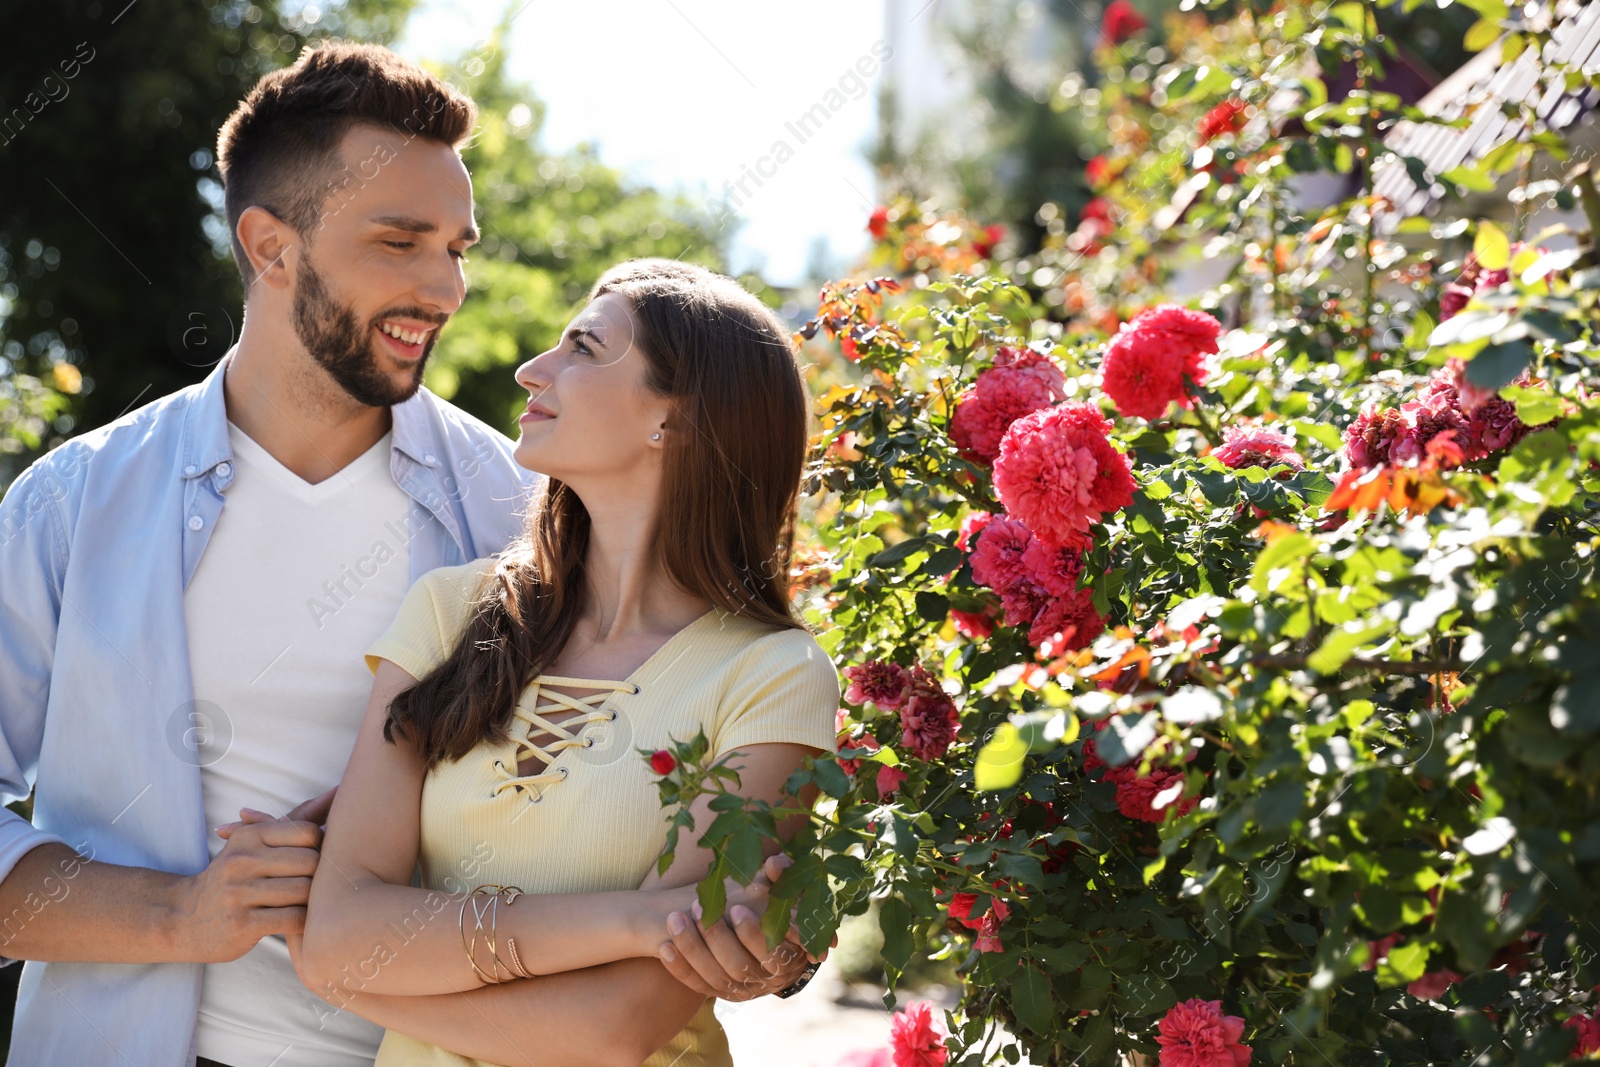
column 1226, row 117
column 1097, row 171
column 878, row 222
column 1122, row 20
column 984, row 244
column 662, row 762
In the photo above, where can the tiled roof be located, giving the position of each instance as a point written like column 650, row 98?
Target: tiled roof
column 1477, row 92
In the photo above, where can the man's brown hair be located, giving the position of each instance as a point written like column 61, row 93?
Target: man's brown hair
column 278, row 150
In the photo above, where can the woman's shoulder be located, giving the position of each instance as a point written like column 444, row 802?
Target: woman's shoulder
column 450, row 592
column 460, row 580
column 755, row 647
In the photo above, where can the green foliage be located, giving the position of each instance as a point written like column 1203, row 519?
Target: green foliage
column 1366, row 696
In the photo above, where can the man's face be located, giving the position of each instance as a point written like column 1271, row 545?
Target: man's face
column 381, row 270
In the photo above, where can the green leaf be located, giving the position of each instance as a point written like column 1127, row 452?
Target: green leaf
column 1031, row 1000
column 934, row 607
column 1471, row 177
column 1290, row 549
column 830, row 778
column 1342, row 643
column 1489, row 9
column 999, row 763
column 1536, row 408
column 1549, row 263
column 713, row 893
column 896, row 922
column 1491, row 246
column 897, row 553
column 1061, row 958
column 1575, row 707
column 1405, row 964
column 1481, row 35
column 1496, row 365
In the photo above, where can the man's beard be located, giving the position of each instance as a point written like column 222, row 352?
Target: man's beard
column 342, row 346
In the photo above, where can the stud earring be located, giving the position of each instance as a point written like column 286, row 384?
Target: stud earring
column 655, row 437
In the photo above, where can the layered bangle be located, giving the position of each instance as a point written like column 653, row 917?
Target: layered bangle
column 489, row 908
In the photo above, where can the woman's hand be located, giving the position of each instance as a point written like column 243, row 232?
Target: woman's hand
column 730, row 959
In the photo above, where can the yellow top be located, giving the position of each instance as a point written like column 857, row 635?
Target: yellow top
column 589, row 818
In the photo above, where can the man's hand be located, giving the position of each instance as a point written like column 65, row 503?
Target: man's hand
column 731, row 960
column 257, row 885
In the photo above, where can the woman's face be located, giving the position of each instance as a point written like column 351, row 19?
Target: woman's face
column 589, row 411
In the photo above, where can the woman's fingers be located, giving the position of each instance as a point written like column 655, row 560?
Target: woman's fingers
column 719, row 958
column 679, row 968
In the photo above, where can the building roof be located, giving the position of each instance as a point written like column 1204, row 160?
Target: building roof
column 1478, row 92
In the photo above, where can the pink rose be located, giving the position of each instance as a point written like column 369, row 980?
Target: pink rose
column 916, row 1037
column 1195, row 1033
column 889, row 779
column 1021, row 382
column 1586, row 1031
column 1157, row 358
column 1059, row 474
column 877, row 682
column 1253, row 446
column 928, row 720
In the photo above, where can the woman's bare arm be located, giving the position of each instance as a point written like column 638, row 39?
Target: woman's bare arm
column 615, row 1015
column 366, row 919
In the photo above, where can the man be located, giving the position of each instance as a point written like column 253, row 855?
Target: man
column 188, row 591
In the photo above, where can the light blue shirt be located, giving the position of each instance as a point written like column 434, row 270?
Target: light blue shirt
column 98, row 540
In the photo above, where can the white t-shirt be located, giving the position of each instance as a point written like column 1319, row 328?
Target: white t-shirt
column 296, row 582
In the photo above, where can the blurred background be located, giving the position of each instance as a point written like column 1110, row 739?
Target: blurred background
column 755, row 138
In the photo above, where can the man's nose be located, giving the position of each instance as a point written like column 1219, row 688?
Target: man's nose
column 444, row 288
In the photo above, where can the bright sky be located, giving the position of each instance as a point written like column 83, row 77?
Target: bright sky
column 697, row 94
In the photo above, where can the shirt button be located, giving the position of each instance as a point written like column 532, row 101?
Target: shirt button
column 195, row 522
column 189, row 469
column 429, row 458
column 224, row 469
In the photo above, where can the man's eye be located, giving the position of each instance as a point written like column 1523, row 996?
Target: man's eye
column 462, row 256
column 398, row 244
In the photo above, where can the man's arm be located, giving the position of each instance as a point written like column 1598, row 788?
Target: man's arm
column 54, row 903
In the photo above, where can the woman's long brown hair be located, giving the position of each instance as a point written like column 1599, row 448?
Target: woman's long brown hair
column 725, row 529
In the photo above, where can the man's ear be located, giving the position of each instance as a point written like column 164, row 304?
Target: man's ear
column 267, row 240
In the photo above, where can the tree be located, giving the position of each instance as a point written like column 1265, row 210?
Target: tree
column 113, row 255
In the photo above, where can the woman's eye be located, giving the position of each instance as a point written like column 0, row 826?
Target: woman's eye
column 581, row 347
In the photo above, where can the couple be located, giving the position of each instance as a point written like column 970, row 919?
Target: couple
column 194, row 595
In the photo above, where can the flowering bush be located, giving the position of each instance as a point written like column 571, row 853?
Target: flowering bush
column 1222, row 678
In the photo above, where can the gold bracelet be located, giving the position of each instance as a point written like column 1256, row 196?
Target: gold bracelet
column 491, row 907
column 471, row 900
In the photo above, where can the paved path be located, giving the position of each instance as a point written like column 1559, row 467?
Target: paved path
column 817, row 1027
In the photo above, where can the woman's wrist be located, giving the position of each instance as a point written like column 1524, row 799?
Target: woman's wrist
column 657, row 905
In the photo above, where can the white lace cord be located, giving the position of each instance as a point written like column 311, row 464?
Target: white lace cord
column 563, row 738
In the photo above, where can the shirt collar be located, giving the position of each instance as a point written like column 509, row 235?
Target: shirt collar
column 205, row 429
column 413, row 429
column 205, row 438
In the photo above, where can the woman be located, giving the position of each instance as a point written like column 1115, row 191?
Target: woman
column 647, row 601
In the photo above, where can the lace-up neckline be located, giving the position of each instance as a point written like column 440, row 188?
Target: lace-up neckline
column 563, row 735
